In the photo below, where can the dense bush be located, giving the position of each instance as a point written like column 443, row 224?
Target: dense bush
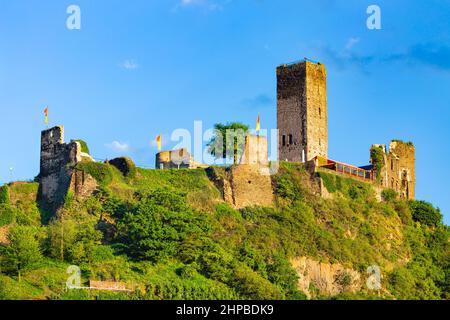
column 23, row 251
column 7, row 214
column 101, row 172
column 4, row 195
column 425, row 213
column 389, row 194
column 158, row 224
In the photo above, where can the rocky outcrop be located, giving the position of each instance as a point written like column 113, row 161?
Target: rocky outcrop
column 318, row 278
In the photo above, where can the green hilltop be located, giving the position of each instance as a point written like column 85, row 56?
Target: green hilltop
column 168, row 234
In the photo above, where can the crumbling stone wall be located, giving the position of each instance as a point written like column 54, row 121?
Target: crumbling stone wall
column 57, row 161
column 249, row 187
column 302, row 111
column 246, row 184
column 57, row 175
column 256, row 151
column 398, row 169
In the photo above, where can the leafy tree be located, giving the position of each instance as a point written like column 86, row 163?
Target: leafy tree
column 23, row 251
column 425, row 213
column 158, row 224
column 228, row 140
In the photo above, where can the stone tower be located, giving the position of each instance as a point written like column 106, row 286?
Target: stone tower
column 57, row 171
column 302, row 111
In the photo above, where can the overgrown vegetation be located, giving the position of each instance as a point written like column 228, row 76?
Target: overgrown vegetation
column 168, row 235
column 84, row 146
column 377, row 157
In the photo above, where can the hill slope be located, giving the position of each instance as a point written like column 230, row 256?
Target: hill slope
column 169, row 235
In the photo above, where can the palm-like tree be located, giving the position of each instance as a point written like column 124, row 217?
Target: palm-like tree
column 228, row 140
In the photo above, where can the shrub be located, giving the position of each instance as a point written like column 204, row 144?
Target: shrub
column 158, row 224
column 99, row 171
column 4, row 195
column 329, row 182
column 389, row 194
column 377, row 157
column 425, row 213
column 7, row 215
column 125, row 165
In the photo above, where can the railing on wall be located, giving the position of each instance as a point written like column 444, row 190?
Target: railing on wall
column 344, row 168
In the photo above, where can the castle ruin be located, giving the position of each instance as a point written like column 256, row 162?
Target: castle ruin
column 303, row 132
column 57, row 175
column 303, row 137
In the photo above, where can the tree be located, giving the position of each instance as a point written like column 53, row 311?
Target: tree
column 23, row 251
column 228, row 140
column 425, row 213
column 156, row 227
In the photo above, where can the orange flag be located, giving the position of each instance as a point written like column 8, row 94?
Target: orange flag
column 158, row 142
column 258, row 123
column 46, row 116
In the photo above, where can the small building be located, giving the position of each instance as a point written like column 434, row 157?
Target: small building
column 176, row 159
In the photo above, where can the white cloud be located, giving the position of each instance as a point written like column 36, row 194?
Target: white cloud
column 129, row 65
column 210, row 5
column 117, row 146
column 351, row 43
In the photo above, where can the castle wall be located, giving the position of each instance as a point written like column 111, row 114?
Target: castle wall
column 398, row 170
column 317, row 113
column 176, row 159
column 249, row 187
column 57, row 175
column 302, row 111
column 57, row 161
column 256, row 150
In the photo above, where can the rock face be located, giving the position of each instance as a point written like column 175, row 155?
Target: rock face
column 324, row 278
column 57, row 175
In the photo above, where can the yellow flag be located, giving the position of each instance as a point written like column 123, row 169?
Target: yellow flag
column 258, row 123
column 158, row 142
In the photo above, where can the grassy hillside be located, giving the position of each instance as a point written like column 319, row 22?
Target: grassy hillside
column 169, row 235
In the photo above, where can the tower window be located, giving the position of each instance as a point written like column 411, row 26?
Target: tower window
column 284, row 140
column 290, row 139
column 320, row 112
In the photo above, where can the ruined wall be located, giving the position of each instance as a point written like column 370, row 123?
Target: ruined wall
column 57, row 161
column 249, row 187
column 398, row 170
column 302, row 111
column 246, row 184
column 256, row 151
column 57, row 175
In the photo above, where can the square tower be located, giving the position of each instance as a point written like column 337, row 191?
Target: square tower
column 302, row 111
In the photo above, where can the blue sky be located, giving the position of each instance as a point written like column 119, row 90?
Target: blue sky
column 140, row 68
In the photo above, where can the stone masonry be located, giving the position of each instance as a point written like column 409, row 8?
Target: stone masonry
column 248, row 184
column 398, row 170
column 57, row 176
column 302, row 111
column 176, row 159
